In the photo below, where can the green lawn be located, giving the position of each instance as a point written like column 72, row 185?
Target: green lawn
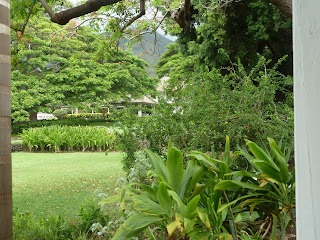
column 57, row 183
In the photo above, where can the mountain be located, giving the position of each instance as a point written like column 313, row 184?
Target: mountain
column 151, row 50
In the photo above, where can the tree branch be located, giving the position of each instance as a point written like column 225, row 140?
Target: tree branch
column 141, row 13
column 180, row 15
column 65, row 16
column 48, row 9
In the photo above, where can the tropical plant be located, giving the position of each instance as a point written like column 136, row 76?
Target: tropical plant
column 171, row 201
column 64, row 138
column 275, row 184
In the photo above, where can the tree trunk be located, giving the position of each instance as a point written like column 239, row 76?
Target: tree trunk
column 32, row 117
column 5, row 124
column 285, row 6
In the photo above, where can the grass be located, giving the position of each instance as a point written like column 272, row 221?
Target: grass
column 57, row 183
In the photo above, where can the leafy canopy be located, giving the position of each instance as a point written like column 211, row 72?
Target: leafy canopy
column 52, row 67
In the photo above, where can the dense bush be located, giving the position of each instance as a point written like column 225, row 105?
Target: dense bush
column 89, row 116
column 65, row 138
column 212, row 197
column 18, row 127
column 205, row 107
column 60, row 113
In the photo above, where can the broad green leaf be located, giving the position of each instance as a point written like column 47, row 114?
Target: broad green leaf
column 204, row 159
column 144, row 204
column 245, row 174
column 112, row 199
column 267, row 169
column 225, row 236
column 225, row 206
column 198, row 172
column 188, row 225
column 164, row 198
column 139, row 221
column 122, row 198
column 149, row 191
column 158, row 164
column 246, row 216
column 244, row 152
column 224, row 168
column 174, row 166
column 122, row 234
column 234, row 185
column 173, row 226
column 198, row 189
column 261, row 155
column 192, row 207
column 182, row 206
column 281, row 160
column 204, row 216
column 186, row 179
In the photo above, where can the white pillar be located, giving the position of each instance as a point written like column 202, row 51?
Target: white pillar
column 306, row 33
column 77, row 111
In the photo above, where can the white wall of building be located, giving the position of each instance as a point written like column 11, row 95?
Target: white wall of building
column 306, row 32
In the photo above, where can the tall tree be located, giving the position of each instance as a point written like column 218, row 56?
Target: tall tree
column 54, row 67
column 5, row 121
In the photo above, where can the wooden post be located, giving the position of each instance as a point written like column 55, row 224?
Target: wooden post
column 306, row 47
column 5, row 124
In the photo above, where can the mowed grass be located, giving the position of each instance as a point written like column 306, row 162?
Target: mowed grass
column 58, row 183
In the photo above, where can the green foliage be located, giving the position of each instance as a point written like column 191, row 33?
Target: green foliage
column 27, row 227
column 18, row 127
column 65, row 138
column 89, row 116
column 167, row 202
column 238, row 31
column 52, row 67
column 90, row 213
column 210, row 104
column 211, row 198
column 55, row 227
column 60, row 113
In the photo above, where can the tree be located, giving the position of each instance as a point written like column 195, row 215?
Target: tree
column 5, row 112
column 54, row 67
column 179, row 14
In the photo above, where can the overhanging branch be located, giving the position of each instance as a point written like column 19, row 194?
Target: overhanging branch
column 65, row 16
column 141, row 13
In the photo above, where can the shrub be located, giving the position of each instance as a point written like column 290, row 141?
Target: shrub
column 18, row 127
column 89, row 116
column 208, row 105
column 60, row 113
column 65, row 138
